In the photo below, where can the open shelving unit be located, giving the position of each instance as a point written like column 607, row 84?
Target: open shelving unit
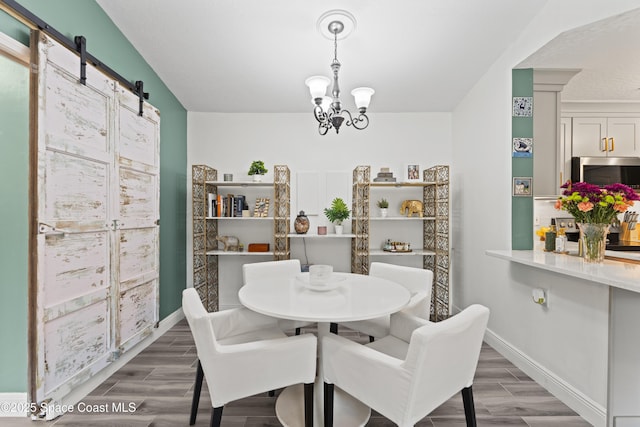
column 435, row 251
column 205, row 228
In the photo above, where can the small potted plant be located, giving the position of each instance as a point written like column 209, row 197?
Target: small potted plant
column 338, row 212
column 383, row 204
column 257, row 169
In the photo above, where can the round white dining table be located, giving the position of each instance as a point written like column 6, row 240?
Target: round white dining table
column 354, row 297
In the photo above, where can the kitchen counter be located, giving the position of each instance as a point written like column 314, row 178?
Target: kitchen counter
column 612, row 273
column 619, row 337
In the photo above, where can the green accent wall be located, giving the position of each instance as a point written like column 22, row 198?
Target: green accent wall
column 522, row 127
column 107, row 43
column 14, row 175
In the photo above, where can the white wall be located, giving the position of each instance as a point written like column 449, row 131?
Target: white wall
column 565, row 341
column 229, row 142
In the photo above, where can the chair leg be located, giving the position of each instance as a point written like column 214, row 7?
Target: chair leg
column 328, row 405
column 372, row 338
column 216, row 416
column 333, row 328
column 308, row 405
column 469, row 409
column 196, row 394
column 297, row 331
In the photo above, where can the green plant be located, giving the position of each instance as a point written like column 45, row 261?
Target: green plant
column 383, row 203
column 257, row 168
column 338, row 211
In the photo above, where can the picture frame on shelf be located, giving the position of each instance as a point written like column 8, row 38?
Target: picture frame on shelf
column 261, row 209
column 522, row 186
column 411, row 172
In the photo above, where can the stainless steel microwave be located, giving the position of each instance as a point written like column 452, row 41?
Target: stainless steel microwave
column 606, row 170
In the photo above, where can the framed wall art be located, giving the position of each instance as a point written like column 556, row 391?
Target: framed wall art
column 522, row 186
column 522, row 106
column 522, row 147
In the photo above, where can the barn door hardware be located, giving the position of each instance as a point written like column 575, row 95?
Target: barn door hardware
column 81, row 46
column 22, row 14
column 142, row 95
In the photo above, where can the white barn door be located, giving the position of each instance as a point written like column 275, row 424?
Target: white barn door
column 137, row 229
column 93, row 287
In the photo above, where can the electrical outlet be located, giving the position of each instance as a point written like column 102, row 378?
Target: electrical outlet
column 536, row 220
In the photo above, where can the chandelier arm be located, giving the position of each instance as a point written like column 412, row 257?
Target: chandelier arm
column 362, row 118
column 319, row 114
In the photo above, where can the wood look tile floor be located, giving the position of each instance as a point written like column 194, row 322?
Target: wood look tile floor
column 158, row 383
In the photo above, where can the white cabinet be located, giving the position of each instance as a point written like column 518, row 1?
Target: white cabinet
column 605, row 137
column 564, row 151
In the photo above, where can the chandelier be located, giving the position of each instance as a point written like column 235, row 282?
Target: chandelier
column 328, row 110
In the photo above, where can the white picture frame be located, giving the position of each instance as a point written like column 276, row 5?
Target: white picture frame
column 411, row 172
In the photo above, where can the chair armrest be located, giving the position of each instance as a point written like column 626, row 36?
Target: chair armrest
column 418, row 305
column 340, row 355
column 351, row 367
column 238, row 321
column 403, row 324
column 241, row 370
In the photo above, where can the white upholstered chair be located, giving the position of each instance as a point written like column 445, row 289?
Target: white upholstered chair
column 284, row 269
column 242, row 353
column 419, row 283
column 409, row 373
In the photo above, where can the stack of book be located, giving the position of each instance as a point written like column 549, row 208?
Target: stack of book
column 384, row 176
column 228, row 205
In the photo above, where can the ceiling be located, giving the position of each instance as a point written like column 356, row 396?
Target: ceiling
column 254, row 55
column 606, row 51
column 420, row 56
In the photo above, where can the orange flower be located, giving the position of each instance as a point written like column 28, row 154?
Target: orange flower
column 585, row 206
column 558, row 204
column 621, row 207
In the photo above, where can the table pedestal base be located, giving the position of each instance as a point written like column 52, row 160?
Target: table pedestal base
column 347, row 411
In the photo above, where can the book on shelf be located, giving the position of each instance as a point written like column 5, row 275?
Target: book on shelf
column 238, row 205
column 228, row 205
column 211, row 204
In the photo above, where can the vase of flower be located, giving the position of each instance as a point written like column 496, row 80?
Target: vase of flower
column 593, row 238
column 594, row 209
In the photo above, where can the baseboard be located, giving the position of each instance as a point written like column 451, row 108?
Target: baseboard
column 13, row 405
column 588, row 409
column 19, row 400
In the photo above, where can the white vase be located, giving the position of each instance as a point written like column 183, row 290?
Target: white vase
column 383, row 212
column 257, row 177
column 338, row 228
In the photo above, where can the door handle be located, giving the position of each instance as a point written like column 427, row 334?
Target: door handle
column 613, row 147
column 606, row 145
column 50, row 230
